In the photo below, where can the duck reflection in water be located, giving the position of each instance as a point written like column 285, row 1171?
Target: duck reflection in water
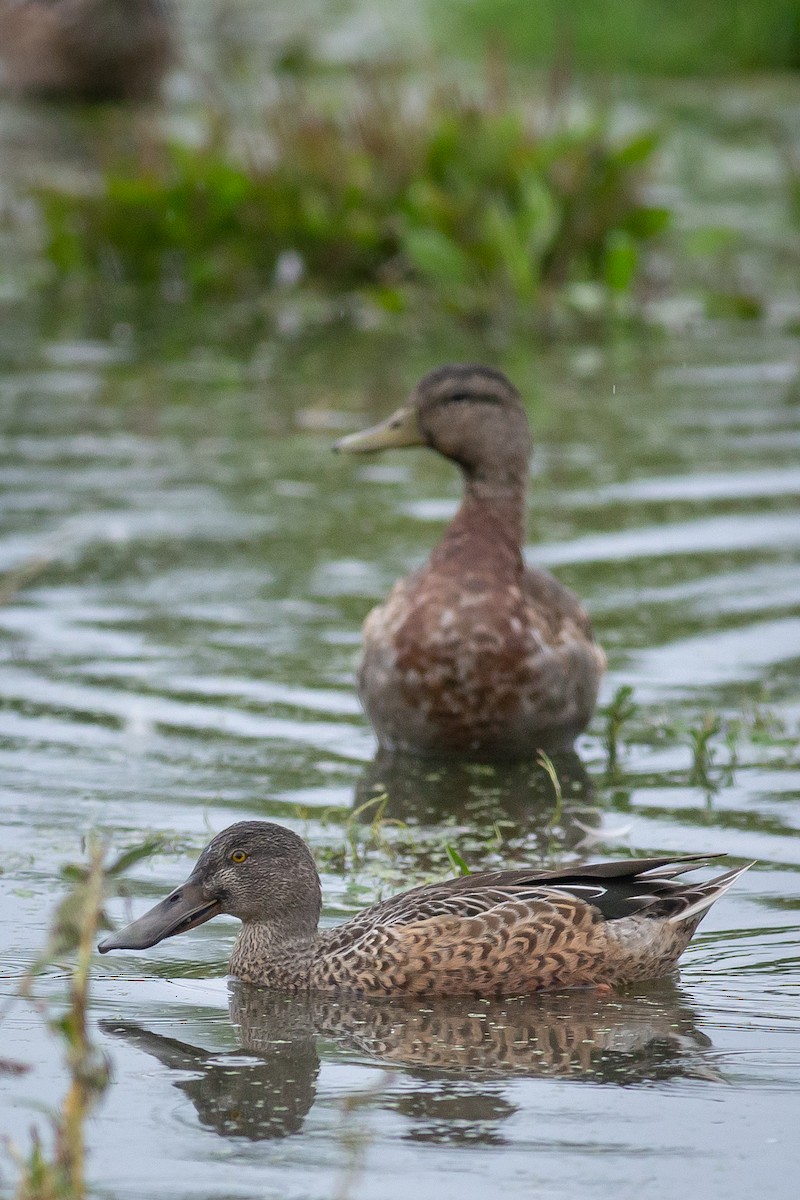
column 520, row 797
column 265, row 1095
column 458, row 1053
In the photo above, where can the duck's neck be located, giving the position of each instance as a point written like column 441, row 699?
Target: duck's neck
column 499, row 502
column 268, row 955
column 489, row 525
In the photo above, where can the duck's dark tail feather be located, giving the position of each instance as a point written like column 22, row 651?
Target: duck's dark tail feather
column 700, row 898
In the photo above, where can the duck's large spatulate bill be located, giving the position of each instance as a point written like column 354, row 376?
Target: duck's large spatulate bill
column 182, row 909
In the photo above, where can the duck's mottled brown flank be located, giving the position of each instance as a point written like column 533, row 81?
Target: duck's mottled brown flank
column 476, row 654
column 494, row 934
column 85, row 49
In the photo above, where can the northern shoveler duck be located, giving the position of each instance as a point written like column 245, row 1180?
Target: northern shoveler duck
column 86, row 49
column 475, row 654
column 498, row 933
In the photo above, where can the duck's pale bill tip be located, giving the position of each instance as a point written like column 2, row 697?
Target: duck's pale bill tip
column 401, row 429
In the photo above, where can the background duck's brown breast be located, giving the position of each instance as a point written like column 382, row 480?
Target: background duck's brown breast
column 475, row 652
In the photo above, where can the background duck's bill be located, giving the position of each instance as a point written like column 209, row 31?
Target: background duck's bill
column 401, row 429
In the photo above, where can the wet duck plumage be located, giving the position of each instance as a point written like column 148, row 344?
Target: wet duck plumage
column 492, row 934
column 475, row 654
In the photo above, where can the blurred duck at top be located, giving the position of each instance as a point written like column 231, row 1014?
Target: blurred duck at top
column 85, row 49
column 475, row 654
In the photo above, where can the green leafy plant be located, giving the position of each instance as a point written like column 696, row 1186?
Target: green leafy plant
column 617, row 715
column 701, row 739
column 456, row 861
column 463, row 199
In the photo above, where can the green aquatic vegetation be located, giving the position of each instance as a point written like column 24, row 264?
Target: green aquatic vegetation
column 368, row 848
column 764, row 727
column 378, row 855
column 458, row 864
column 548, row 766
column 476, row 205
column 716, row 742
column 701, row 738
column 618, row 714
column 365, row 828
column 59, row 1173
column 679, row 38
column 720, row 744
column 758, row 726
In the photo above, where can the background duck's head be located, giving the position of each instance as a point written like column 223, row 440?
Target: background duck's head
column 470, row 413
column 254, row 870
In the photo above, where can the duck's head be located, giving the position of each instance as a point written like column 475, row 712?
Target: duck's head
column 470, row 413
column 254, row 870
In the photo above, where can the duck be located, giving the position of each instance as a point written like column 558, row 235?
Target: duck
column 475, row 654
column 86, row 49
column 492, row 934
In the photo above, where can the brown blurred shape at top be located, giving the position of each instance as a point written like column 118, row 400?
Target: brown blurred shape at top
column 86, row 49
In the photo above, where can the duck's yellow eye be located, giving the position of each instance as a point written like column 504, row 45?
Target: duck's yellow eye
column 238, row 856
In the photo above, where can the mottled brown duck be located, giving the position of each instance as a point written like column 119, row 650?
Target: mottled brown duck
column 498, row 933
column 85, row 49
column 475, row 654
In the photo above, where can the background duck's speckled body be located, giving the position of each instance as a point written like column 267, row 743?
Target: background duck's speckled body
column 85, row 49
column 493, row 934
column 475, row 653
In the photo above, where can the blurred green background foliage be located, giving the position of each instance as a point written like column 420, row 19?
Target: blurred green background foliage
column 669, row 37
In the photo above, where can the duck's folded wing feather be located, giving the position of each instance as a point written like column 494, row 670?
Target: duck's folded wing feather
column 614, row 889
column 518, row 945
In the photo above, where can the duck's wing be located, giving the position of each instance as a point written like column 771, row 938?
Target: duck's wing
column 565, row 663
column 615, row 889
column 514, row 947
column 553, row 607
